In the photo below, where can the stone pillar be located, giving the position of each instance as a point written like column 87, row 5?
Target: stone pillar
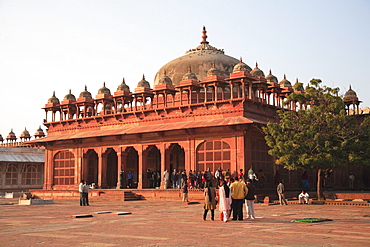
column 48, row 172
column 141, row 166
column 119, row 166
column 163, row 151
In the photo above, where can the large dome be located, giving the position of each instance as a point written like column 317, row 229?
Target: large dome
column 200, row 60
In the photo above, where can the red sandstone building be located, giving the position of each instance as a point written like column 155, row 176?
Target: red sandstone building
column 205, row 110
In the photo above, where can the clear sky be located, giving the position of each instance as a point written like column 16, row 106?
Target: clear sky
column 48, row 46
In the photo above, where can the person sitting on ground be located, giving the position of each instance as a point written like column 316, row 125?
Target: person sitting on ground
column 303, row 197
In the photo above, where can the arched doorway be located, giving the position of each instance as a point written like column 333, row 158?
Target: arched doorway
column 177, row 157
column 111, row 171
column 153, row 163
column 92, row 166
column 132, row 165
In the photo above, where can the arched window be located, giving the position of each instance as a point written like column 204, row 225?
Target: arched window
column 11, row 176
column 64, row 168
column 31, row 175
column 213, row 154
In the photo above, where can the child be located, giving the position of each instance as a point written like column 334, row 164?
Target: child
column 185, row 192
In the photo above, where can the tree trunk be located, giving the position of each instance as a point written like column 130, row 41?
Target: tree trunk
column 320, row 194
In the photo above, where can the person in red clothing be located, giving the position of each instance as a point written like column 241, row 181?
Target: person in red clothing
column 241, row 174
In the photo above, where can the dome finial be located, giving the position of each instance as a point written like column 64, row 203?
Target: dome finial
column 241, row 59
column 85, row 88
column 104, row 84
column 270, row 72
column 350, row 87
column 256, row 64
column 189, row 69
column 123, row 80
column 284, row 77
column 143, row 77
column 204, row 36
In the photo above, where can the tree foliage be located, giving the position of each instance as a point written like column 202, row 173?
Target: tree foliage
column 320, row 135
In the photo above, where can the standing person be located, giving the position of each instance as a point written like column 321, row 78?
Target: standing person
column 351, row 178
column 240, row 174
column 158, row 178
column 149, row 177
column 154, row 179
column 219, row 175
column 280, row 191
column 185, row 192
column 224, row 197
column 174, row 178
column 209, row 200
column 208, row 175
column 238, row 192
column 192, row 179
column 81, row 190
column 85, row 189
column 166, row 179
column 304, row 180
column 303, row 197
column 130, row 178
column 227, row 175
column 249, row 199
column 251, row 174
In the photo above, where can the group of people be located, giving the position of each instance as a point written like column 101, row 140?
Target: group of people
column 230, row 197
column 83, row 188
column 197, row 180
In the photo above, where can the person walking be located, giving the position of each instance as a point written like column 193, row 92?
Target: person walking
column 238, row 192
column 280, row 191
column 304, row 180
column 351, row 178
column 209, row 200
column 249, row 199
column 224, row 197
column 81, row 190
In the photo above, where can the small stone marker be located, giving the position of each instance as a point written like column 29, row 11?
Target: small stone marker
column 121, row 213
column 80, row 216
column 103, row 212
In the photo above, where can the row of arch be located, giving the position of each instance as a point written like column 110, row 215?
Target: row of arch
column 209, row 154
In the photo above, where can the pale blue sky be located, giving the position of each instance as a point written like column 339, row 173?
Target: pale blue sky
column 62, row 45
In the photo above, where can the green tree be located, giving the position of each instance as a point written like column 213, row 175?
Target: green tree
column 320, row 135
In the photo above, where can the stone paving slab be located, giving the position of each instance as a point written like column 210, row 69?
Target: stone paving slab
column 171, row 223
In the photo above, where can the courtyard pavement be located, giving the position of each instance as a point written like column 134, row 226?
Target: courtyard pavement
column 173, row 223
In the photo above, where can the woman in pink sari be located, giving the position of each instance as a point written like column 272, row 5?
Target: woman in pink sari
column 224, row 198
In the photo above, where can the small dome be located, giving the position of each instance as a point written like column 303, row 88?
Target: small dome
column 257, row 72
column 271, row 78
column 11, row 135
column 350, row 95
column 143, row 83
column 165, row 79
column 104, row 90
column 285, row 82
column 298, row 86
column 190, row 75
column 85, row 94
column 25, row 134
column 241, row 67
column 70, row 96
column 39, row 132
column 123, row 86
column 214, row 71
column 53, row 99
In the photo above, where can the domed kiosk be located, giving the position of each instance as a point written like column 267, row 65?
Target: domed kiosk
column 201, row 60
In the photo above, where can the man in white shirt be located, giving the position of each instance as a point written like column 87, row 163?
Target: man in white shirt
column 81, row 190
column 303, row 197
